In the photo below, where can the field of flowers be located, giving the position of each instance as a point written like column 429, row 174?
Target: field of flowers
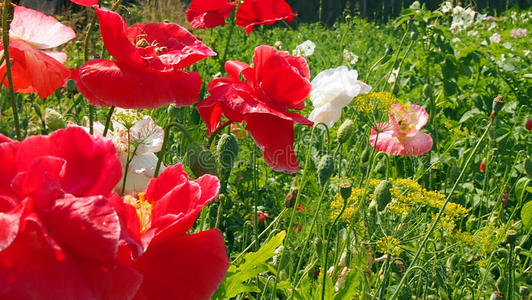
column 224, row 150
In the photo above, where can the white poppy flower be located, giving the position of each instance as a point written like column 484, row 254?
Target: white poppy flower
column 332, row 90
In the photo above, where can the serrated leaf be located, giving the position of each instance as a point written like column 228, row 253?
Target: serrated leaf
column 526, row 214
column 254, row 264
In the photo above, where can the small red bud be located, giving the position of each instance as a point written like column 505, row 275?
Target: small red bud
column 482, row 166
column 504, row 200
column 529, row 124
column 261, row 216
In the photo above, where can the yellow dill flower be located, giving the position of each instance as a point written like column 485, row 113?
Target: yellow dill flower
column 389, row 245
column 380, row 101
column 351, row 211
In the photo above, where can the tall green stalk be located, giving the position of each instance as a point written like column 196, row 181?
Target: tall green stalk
column 10, row 90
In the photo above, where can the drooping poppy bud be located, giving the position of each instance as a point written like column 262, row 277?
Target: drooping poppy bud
column 345, row 131
column 325, row 169
column 529, row 124
column 454, row 170
column 382, row 194
column 505, row 195
column 511, row 236
column 427, row 90
column 345, row 190
column 53, row 119
column 498, row 103
column 200, row 159
column 528, row 167
column 523, row 291
column 227, row 151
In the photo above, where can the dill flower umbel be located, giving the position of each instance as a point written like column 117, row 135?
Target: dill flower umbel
column 389, row 245
column 380, row 101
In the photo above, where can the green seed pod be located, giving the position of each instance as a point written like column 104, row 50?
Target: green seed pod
column 53, row 119
column 345, row 190
column 454, row 170
column 325, row 169
column 345, row 131
column 511, row 236
column 200, row 160
column 427, row 90
column 227, row 151
column 523, row 291
column 528, row 167
column 382, row 194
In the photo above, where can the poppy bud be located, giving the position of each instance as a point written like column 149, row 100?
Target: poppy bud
column 364, row 157
column 504, row 198
column 454, row 170
column 529, row 124
column 227, row 151
column 345, row 190
column 345, row 131
column 427, row 90
column 523, row 291
column 53, row 119
column 482, row 165
column 290, row 198
column 528, row 167
column 325, row 169
column 382, row 194
column 511, row 236
column 498, row 103
column 497, row 295
column 200, row 160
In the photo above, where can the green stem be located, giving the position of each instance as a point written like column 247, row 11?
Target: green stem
column 108, row 120
column 165, row 141
column 216, row 131
column 294, row 208
column 90, row 30
column 433, row 226
column 129, row 159
column 11, row 90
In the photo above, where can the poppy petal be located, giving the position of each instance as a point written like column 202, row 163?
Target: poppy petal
column 205, row 14
column 85, row 2
column 256, row 12
column 38, row 29
column 193, row 267
column 275, row 136
column 107, row 83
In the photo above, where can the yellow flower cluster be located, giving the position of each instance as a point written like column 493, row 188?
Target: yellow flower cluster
column 350, row 214
column 484, row 241
column 389, row 245
column 127, row 117
column 408, row 194
column 380, row 101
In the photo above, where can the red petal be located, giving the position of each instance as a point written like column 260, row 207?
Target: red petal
column 255, row 12
column 33, row 70
column 107, row 83
column 40, row 30
column 85, row 2
column 204, row 14
column 210, row 111
column 8, row 170
column 182, row 49
column 88, row 227
column 275, row 136
column 5, row 139
column 184, row 267
column 114, row 35
column 9, row 226
column 92, row 166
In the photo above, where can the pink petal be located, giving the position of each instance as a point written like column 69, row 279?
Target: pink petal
column 40, row 30
column 85, row 2
column 184, row 267
column 388, row 142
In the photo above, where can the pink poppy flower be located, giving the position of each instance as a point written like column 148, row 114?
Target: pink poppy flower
column 401, row 135
column 34, row 69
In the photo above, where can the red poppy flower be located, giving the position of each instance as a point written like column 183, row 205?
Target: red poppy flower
column 256, row 12
column 205, row 14
column 277, row 82
column 64, row 236
column 33, row 69
column 146, row 71
column 85, row 2
column 175, row 265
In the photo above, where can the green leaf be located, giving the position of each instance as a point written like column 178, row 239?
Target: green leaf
column 520, row 186
column 526, row 214
column 254, row 264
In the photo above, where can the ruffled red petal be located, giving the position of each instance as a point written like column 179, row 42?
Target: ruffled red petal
column 256, row 12
column 85, row 2
column 205, row 14
column 193, row 267
column 107, row 83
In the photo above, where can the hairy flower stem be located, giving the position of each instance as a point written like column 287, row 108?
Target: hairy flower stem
column 108, row 120
column 88, row 35
column 216, row 131
column 440, row 213
column 10, row 90
column 309, row 234
column 165, row 141
column 301, row 185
